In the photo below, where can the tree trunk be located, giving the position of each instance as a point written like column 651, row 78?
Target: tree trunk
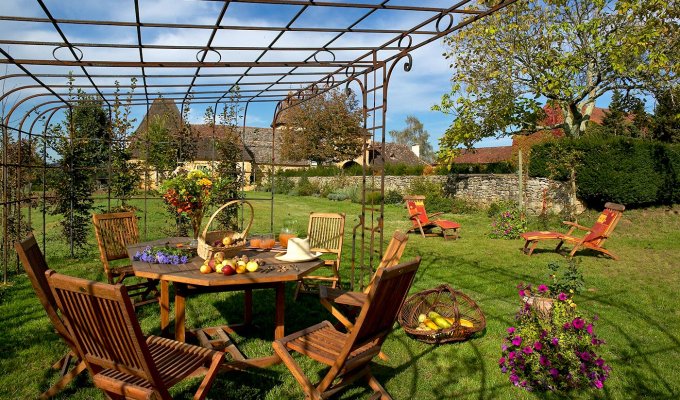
column 572, row 120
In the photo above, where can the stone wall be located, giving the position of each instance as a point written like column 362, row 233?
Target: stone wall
column 482, row 189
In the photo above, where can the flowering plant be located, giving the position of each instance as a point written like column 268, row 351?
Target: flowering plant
column 161, row 255
column 189, row 193
column 553, row 352
column 508, row 224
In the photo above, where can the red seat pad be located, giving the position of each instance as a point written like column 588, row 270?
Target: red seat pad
column 538, row 235
column 444, row 224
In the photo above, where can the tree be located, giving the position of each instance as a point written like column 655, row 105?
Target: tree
column 124, row 174
column 666, row 120
column 626, row 116
column 415, row 134
column 569, row 52
column 327, row 128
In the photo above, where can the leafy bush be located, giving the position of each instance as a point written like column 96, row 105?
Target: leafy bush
column 553, row 352
column 567, row 279
column 306, row 188
column 508, row 224
column 632, row 172
column 435, row 201
column 501, row 167
column 463, row 206
column 282, row 185
column 497, row 206
column 393, row 197
column 353, row 170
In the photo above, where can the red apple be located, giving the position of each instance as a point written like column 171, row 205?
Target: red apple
column 211, row 263
column 228, row 270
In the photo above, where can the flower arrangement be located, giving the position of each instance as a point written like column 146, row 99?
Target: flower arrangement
column 556, row 352
column 162, row 255
column 189, row 193
column 508, row 224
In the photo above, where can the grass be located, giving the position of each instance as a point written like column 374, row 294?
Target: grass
column 636, row 299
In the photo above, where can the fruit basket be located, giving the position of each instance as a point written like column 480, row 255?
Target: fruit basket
column 441, row 315
column 207, row 239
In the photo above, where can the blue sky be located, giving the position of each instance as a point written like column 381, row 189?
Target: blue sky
column 410, row 93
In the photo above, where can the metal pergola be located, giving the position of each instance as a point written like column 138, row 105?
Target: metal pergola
column 281, row 52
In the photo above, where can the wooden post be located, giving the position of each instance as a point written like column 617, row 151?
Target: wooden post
column 520, row 200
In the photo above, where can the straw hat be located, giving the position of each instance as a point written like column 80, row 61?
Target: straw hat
column 298, row 251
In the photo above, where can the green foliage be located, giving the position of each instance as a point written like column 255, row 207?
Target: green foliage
column 501, row 167
column 626, row 116
column 463, row 206
column 415, row 134
column 565, row 279
column 496, row 207
column 354, row 170
column 508, row 224
column 666, row 121
column 632, row 172
column 393, row 197
column 306, row 188
column 282, row 184
column 435, row 201
column 125, row 176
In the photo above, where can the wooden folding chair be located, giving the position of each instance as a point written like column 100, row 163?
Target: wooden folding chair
column 123, row 363
column 326, row 232
column 593, row 239
column 355, row 300
column 114, row 233
column 349, row 354
column 34, row 263
column 421, row 222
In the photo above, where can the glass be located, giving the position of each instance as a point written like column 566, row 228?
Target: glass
column 284, row 236
column 255, row 241
column 267, row 242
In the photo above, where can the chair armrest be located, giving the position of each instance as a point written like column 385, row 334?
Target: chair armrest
column 414, row 216
column 356, row 299
column 329, row 293
column 435, row 214
column 575, row 225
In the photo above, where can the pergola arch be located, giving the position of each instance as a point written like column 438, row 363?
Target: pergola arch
column 282, row 72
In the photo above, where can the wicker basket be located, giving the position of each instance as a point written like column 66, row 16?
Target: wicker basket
column 449, row 303
column 205, row 249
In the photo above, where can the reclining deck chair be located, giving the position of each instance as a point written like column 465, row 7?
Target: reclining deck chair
column 593, row 239
column 34, row 263
column 422, row 222
column 123, row 363
column 349, row 354
column 114, row 232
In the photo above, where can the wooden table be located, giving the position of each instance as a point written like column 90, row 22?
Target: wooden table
column 187, row 280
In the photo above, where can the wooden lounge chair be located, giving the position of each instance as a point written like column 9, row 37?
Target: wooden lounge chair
column 349, row 354
column 123, row 363
column 34, row 263
column 355, row 300
column 326, row 232
column 422, row 222
column 593, row 239
column 114, row 233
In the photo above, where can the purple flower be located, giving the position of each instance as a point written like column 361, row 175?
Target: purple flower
column 511, row 355
column 566, row 325
column 511, row 330
column 184, row 259
column 521, row 293
column 538, row 346
column 589, row 329
column 555, row 373
column 562, row 297
column 501, row 361
column 585, row 356
column 504, row 369
column 599, row 362
column 598, row 384
column 542, row 288
column 516, row 341
column 504, row 347
column 555, row 341
column 578, row 323
column 543, row 360
column 514, row 378
column 527, row 350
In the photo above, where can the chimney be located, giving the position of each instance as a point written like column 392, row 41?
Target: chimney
column 416, row 150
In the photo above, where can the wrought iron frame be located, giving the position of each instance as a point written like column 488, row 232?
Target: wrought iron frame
column 368, row 73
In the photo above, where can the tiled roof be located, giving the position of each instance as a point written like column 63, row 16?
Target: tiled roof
column 484, row 155
column 396, row 154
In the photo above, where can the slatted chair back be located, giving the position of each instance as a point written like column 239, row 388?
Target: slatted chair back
column 387, row 294
column 392, row 254
column 326, row 232
column 605, row 224
column 416, row 209
column 114, row 232
column 35, row 265
column 100, row 318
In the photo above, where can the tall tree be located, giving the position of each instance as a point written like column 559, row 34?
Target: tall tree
column 415, row 134
column 326, row 128
column 124, row 174
column 666, row 121
column 626, row 116
column 569, row 52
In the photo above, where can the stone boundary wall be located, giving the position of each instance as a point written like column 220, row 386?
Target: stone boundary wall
column 482, row 189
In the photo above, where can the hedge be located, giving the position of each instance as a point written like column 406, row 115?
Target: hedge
column 633, row 172
column 354, row 170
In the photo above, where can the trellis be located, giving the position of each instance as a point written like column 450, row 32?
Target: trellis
column 359, row 53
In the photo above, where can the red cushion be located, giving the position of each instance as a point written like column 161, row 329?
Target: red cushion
column 444, row 224
column 538, row 235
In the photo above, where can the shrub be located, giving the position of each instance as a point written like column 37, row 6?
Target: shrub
column 282, row 185
column 554, row 352
column 393, row 197
column 632, row 172
column 435, row 201
column 306, row 188
column 497, row 206
column 462, row 206
column 508, row 224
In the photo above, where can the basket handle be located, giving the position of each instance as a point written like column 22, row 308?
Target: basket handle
column 250, row 222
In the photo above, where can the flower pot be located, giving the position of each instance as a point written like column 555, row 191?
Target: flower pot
column 543, row 305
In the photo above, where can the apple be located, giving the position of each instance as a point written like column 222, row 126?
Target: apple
column 228, row 270
column 212, row 263
column 219, row 256
column 205, row 269
column 240, row 267
column 227, row 241
column 252, row 266
column 219, row 267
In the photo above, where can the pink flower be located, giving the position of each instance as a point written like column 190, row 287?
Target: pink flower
column 542, row 288
column 501, row 361
column 555, row 341
column 589, row 329
column 538, row 346
column 555, row 373
column 566, row 325
column 521, row 293
column 516, row 341
column 578, row 323
column 511, row 355
column 511, row 330
column 598, row 384
column 527, row 350
column 562, row 297
column 543, row 360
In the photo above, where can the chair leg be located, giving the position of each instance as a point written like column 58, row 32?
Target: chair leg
column 559, row 245
column 209, row 377
column 307, row 386
column 529, row 247
column 64, row 381
column 298, row 287
column 377, row 387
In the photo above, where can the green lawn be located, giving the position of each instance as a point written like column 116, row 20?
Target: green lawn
column 636, row 299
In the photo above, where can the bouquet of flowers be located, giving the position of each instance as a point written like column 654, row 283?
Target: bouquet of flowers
column 161, row 255
column 555, row 352
column 189, row 193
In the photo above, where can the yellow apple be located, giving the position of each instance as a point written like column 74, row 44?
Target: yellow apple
column 252, row 266
column 205, row 269
column 240, row 267
column 219, row 256
column 227, row 241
